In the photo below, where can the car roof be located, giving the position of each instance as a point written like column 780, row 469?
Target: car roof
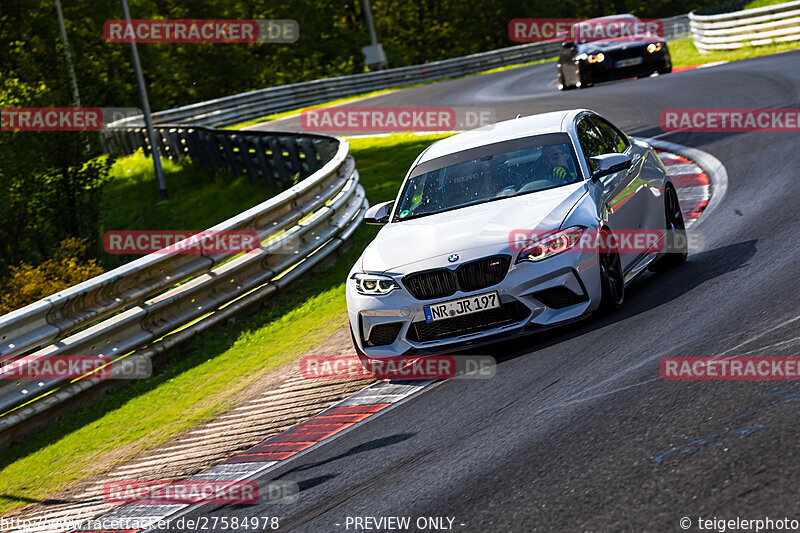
column 553, row 122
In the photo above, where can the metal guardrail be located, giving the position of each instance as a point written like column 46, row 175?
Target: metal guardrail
column 751, row 27
column 276, row 159
column 676, row 27
column 142, row 308
column 255, row 104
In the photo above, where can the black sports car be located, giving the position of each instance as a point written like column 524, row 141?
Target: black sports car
column 585, row 61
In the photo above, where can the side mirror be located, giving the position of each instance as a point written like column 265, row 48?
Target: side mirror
column 379, row 213
column 566, row 44
column 609, row 164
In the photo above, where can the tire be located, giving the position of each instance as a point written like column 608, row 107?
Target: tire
column 666, row 68
column 581, row 83
column 563, row 85
column 675, row 240
column 612, row 280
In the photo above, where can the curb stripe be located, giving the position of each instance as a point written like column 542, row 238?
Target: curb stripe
column 689, row 180
column 691, row 183
column 697, row 210
column 269, row 453
column 308, row 433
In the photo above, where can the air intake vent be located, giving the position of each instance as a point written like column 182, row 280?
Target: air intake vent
column 384, row 334
column 559, row 297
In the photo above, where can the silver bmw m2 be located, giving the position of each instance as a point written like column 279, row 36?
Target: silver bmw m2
column 509, row 229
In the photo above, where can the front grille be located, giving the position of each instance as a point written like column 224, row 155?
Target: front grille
column 508, row 313
column 482, row 273
column 559, row 297
column 383, row 334
column 431, row 284
column 627, row 53
column 471, row 276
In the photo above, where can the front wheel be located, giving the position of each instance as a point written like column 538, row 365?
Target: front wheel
column 612, row 279
column 677, row 248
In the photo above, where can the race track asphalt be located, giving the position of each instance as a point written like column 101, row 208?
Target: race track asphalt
column 577, row 431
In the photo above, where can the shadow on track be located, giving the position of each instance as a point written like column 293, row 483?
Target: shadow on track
column 644, row 294
column 364, row 447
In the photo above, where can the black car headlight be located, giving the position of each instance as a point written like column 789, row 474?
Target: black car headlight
column 654, row 47
column 374, row 284
column 591, row 58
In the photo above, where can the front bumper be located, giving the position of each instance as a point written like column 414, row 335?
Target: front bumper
column 608, row 71
column 534, row 296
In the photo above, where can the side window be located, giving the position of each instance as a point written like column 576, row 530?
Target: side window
column 614, row 140
column 592, row 142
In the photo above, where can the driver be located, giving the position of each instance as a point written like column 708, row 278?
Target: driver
column 556, row 161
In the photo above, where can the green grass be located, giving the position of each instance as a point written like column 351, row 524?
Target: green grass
column 198, row 198
column 762, row 3
column 684, row 53
column 284, row 114
column 516, row 65
column 376, row 93
column 199, row 378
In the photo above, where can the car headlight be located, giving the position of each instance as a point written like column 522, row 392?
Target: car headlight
column 596, row 58
column 374, row 284
column 544, row 246
column 654, row 47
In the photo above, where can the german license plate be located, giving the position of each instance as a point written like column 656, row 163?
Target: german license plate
column 462, row 306
column 629, row 62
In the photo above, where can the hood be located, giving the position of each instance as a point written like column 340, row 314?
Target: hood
column 468, row 231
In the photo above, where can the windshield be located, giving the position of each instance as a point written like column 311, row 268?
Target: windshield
column 480, row 175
